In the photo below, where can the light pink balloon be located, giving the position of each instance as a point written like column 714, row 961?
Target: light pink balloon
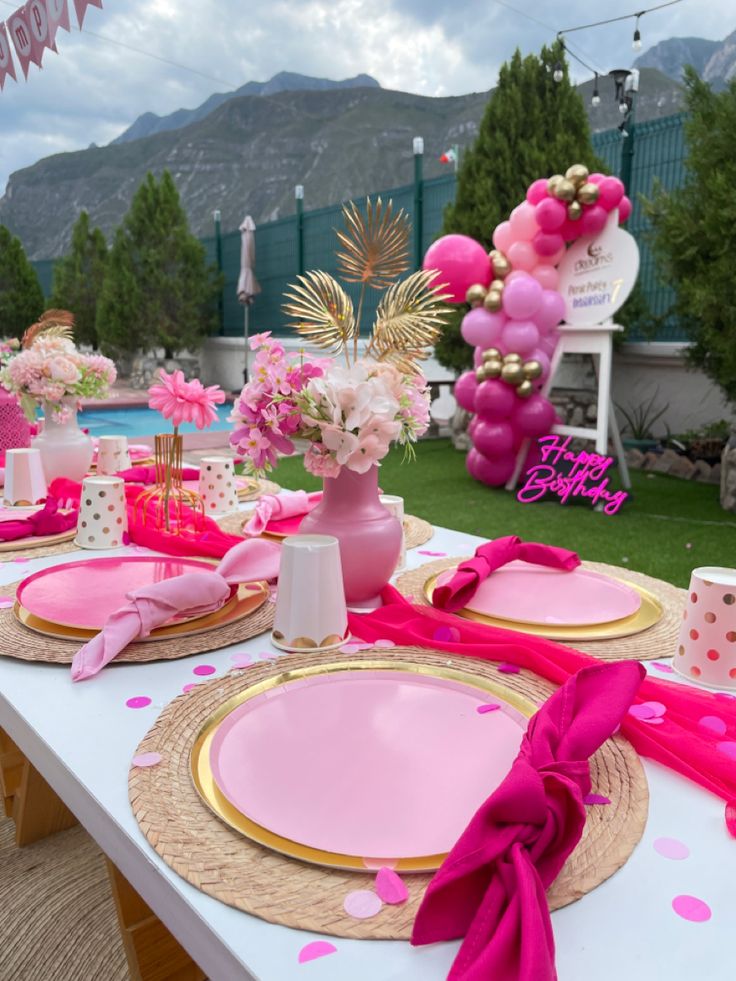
column 624, row 209
column 550, row 311
column 596, row 178
column 537, row 191
column 460, row 262
column 494, row 399
column 593, row 220
column 520, row 336
column 553, row 260
column 503, row 237
column 493, row 438
column 611, row 192
column 491, row 472
column 548, row 243
column 465, row 388
column 523, row 223
column 534, row 417
column 550, row 214
column 522, row 297
column 522, row 255
column 548, row 342
column 546, row 276
column 478, row 356
column 481, row 328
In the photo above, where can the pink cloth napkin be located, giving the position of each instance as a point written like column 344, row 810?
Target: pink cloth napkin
column 48, row 521
column 458, row 592
column 193, row 593
column 147, row 475
column 491, row 888
column 275, row 507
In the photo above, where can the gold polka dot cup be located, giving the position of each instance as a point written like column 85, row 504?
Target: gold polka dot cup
column 706, row 649
column 103, row 518
column 217, row 486
column 112, row 454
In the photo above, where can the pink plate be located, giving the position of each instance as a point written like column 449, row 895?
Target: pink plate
column 84, row 594
column 537, row 595
column 366, row 762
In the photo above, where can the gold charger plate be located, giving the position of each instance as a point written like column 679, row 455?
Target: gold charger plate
column 649, row 613
column 249, row 598
column 205, row 785
column 37, row 542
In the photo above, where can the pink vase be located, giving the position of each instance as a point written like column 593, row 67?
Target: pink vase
column 15, row 430
column 370, row 538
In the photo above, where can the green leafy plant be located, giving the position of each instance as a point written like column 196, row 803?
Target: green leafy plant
column 78, row 279
column 21, row 297
column 639, row 420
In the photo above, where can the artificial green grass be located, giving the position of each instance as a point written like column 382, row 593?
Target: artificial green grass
column 666, row 529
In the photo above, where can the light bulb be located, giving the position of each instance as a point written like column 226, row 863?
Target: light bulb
column 637, row 40
column 596, row 99
column 558, row 73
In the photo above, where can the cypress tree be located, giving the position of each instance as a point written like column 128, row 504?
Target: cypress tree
column 78, row 279
column 21, row 297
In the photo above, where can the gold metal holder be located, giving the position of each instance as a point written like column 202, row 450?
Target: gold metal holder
column 164, row 504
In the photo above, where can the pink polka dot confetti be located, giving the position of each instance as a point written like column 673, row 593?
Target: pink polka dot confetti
column 713, row 724
column 436, row 555
column 384, row 644
column 362, row 904
column 138, row 702
column 445, row 634
column 488, row 707
column 650, row 712
column 508, row 668
column 731, row 818
column 241, row 660
column 126, row 538
column 5, row 604
column 146, row 759
column 596, row 799
column 664, row 668
column 21, row 558
column 204, row 669
column 355, row 648
column 380, row 863
column 192, row 684
column 728, row 749
column 691, row 908
column 315, row 949
column 391, row 887
column 671, row 848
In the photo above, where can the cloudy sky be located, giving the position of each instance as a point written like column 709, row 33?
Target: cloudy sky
column 97, row 84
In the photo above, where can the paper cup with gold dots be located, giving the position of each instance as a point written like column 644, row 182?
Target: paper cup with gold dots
column 112, row 454
column 217, row 486
column 103, row 518
column 706, row 649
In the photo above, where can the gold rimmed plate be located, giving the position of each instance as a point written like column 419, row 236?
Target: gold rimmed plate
column 351, row 765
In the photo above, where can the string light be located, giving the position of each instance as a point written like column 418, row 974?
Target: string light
column 637, row 35
column 558, row 74
column 596, row 99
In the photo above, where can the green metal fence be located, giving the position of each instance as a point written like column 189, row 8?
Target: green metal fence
column 659, row 153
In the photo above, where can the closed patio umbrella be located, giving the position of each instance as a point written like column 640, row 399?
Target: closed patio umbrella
column 247, row 283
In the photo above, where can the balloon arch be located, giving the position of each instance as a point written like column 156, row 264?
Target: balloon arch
column 517, row 309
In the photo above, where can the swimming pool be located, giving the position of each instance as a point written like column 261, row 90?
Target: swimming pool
column 142, row 421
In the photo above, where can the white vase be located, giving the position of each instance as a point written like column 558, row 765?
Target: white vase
column 65, row 450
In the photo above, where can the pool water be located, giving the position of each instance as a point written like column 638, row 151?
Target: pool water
column 142, row 421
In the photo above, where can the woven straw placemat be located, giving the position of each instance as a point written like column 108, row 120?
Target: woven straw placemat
column 416, row 530
column 263, row 487
column 224, row 864
column 26, row 550
column 27, row 645
column 657, row 641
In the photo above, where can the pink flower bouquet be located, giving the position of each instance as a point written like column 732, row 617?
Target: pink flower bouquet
column 185, row 401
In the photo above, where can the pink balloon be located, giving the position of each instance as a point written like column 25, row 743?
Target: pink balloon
column 570, row 230
column 495, row 399
column 494, row 439
column 611, row 192
column 537, row 191
column 593, row 220
column 520, row 336
column 550, row 311
column 540, row 356
column 503, row 237
column 522, row 255
column 513, row 275
column 460, row 262
column 523, row 223
column 548, row 342
column 473, row 425
column 550, row 214
column 465, row 388
column 478, row 356
column 624, row 209
column 522, row 297
column 481, row 328
column 546, row 276
column 554, row 259
column 491, row 472
column 534, row 417
column 596, row 178
column 548, row 243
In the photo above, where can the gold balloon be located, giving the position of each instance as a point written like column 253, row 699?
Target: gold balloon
column 493, row 368
column 512, row 359
column 564, row 190
column 553, row 182
column 574, row 210
column 480, row 373
column 501, row 266
column 497, row 284
column 492, row 354
column 512, row 373
column 524, row 390
column 588, row 193
column 532, row 370
column 578, row 174
column 492, row 301
column 475, row 294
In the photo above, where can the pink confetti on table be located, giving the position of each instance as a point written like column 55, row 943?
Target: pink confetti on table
column 204, row 669
column 664, row 668
column 241, row 660
column 146, row 759
column 731, row 818
column 21, row 558
column 437, row 555
column 315, row 949
column 353, row 648
column 671, row 848
column 362, row 904
column 691, row 908
column 390, row 887
column 488, row 707
column 138, row 702
column 596, row 799
column 380, row 863
column 713, row 724
column 126, row 538
column 5, row 604
column 384, row 644
column 192, row 684
column 445, row 633
column 508, row 668
column 728, row 749
column 650, row 712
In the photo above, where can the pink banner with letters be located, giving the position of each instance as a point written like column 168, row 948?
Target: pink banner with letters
column 81, row 8
column 20, row 34
column 32, row 28
column 6, row 59
column 58, row 15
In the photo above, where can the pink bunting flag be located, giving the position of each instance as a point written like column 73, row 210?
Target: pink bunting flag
column 38, row 21
column 57, row 12
column 6, row 59
column 20, row 34
column 81, row 8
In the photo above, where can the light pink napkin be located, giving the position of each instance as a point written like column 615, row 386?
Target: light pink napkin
column 193, row 594
column 274, row 507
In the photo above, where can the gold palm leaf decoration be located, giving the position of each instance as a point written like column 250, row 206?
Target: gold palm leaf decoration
column 409, row 319
column 321, row 311
column 52, row 323
column 375, row 247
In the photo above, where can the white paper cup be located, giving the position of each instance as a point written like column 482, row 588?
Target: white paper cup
column 217, row 484
column 395, row 506
column 25, row 483
column 103, row 518
column 112, row 454
column 310, row 610
column 706, row 648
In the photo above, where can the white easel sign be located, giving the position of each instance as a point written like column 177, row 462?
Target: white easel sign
column 598, row 274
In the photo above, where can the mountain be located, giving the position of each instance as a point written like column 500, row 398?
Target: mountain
column 149, row 123
column 714, row 61
column 246, row 156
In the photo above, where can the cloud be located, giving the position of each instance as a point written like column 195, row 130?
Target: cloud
column 93, row 89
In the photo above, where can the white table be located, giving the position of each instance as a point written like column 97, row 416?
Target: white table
column 81, row 738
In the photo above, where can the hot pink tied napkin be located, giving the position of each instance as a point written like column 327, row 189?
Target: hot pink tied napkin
column 491, row 888
column 192, row 594
column 458, row 592
column 275, row 507
column 48, row 521
column 147, row 475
